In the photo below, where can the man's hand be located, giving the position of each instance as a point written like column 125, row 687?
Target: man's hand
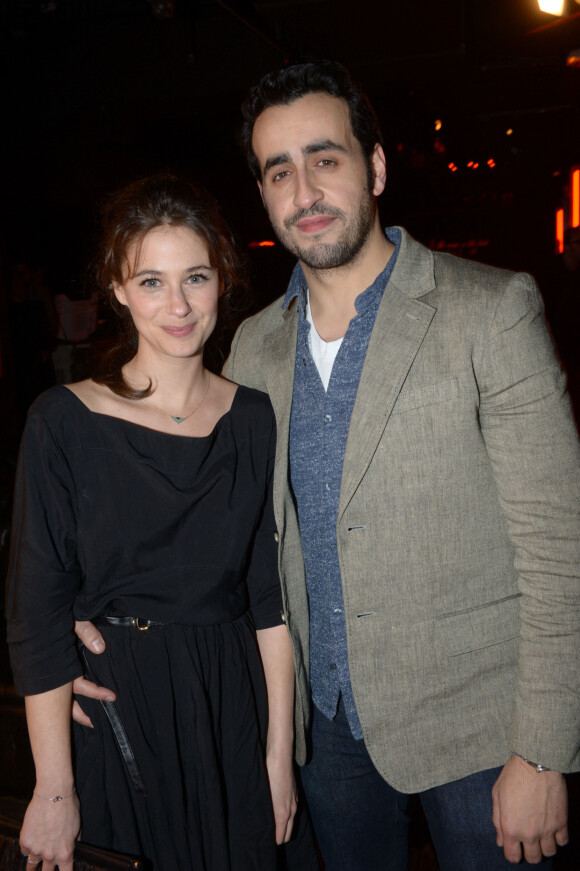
column 93, row 640
column 530, row 811
column 90, row 636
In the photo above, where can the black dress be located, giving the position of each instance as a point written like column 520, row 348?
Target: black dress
column 113, row 518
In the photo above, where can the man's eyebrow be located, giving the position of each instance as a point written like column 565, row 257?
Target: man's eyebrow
column 323, row 145
column 311, row 148
column 276, row 160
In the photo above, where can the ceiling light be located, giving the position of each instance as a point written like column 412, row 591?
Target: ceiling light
column 553, row 7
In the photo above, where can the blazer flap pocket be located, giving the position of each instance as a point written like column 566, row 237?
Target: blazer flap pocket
column 428, row 395
column 480, row 627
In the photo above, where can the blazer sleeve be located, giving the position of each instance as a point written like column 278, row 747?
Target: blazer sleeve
column 44, row 574
column 532, row 444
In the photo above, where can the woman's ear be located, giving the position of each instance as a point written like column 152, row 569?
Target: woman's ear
column 119, row 292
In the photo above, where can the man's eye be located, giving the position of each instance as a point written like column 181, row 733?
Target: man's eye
column 280, row 175
column 326, row 161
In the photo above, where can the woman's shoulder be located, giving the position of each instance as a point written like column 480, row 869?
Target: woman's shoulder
column 250, row 400
column 251, row 414
column 54, row 403
column 57, row 414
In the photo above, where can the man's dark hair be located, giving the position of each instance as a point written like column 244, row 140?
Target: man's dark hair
column 292, row 82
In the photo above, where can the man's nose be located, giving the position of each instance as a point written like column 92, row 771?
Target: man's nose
column 307, row 192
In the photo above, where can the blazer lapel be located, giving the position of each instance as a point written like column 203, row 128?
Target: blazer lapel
column 399, row 330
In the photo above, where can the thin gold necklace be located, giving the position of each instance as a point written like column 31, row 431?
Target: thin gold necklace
column 175, row 417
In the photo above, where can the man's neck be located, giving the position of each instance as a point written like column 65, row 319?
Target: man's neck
column 333, row 292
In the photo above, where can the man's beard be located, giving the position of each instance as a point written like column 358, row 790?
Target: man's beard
column 331, row 255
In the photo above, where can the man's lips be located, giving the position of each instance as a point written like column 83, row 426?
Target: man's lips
column 315, row 224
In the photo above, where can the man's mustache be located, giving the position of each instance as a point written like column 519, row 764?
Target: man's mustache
column 316, row 209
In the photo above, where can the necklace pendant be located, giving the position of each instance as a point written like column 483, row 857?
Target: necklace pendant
column 177, row 419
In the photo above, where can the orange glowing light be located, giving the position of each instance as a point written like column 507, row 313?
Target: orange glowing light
column 575, row 198
column 560, row 231
column 264, row 244
column 470, row 163
column 509, row 132
column 552, row 7
column 438, row 124
column 476, row 165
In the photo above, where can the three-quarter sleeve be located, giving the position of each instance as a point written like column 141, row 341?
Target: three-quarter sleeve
column 263, row 577
column 44, row 574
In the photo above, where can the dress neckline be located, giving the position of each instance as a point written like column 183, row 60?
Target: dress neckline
column 140, row 426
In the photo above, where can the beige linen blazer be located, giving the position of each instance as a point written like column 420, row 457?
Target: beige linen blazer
column 457, row 527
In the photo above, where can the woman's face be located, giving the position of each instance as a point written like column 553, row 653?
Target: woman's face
column 171, row 292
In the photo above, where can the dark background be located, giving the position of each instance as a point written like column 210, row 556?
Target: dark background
column 97, row 92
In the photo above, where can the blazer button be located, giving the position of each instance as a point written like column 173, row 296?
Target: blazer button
column 276, row 537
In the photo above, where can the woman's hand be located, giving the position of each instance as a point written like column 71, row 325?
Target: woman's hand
column 49, row 832
column 277, row 660
column 50, row 827
column 284, row 794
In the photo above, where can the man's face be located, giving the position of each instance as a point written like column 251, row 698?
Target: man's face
column 315, row 180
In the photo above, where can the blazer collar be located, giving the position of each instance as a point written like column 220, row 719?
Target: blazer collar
column 414, row 271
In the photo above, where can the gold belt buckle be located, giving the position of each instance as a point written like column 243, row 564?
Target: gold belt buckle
column 136, row 621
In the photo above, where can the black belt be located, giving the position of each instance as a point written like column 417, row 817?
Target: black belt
column 110, row 708
column 131, row 622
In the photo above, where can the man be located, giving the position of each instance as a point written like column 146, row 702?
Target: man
column 426, row 502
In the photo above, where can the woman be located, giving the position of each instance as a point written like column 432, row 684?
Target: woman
column 144, row 504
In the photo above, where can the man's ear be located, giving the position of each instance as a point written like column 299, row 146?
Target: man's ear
column 379, row 165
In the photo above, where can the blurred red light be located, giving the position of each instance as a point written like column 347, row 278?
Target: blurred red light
column 560, row 231
column 575, row 198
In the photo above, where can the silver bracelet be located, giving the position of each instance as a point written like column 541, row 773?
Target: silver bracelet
column 55, row 797
column 537, row 766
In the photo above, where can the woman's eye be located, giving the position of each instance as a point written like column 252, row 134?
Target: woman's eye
column 197, row 278
column 150, row 282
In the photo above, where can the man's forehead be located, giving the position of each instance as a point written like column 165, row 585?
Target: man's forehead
column 292, row 127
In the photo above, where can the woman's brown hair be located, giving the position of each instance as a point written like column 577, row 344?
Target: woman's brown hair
column 128, row 216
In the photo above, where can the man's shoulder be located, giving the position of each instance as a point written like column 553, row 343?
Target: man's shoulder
column 244, row 362
column 421, row 271
column 456, row 268
column 266, row 319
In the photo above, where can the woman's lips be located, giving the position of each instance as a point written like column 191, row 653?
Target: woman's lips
column 179, row 332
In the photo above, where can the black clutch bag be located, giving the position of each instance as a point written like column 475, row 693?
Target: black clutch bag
column 87, row 858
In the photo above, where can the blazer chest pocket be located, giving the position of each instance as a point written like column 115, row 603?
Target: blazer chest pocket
column 428, row 395
column 481, row 627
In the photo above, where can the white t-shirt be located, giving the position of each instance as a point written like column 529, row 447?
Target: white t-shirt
column 323, row 353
